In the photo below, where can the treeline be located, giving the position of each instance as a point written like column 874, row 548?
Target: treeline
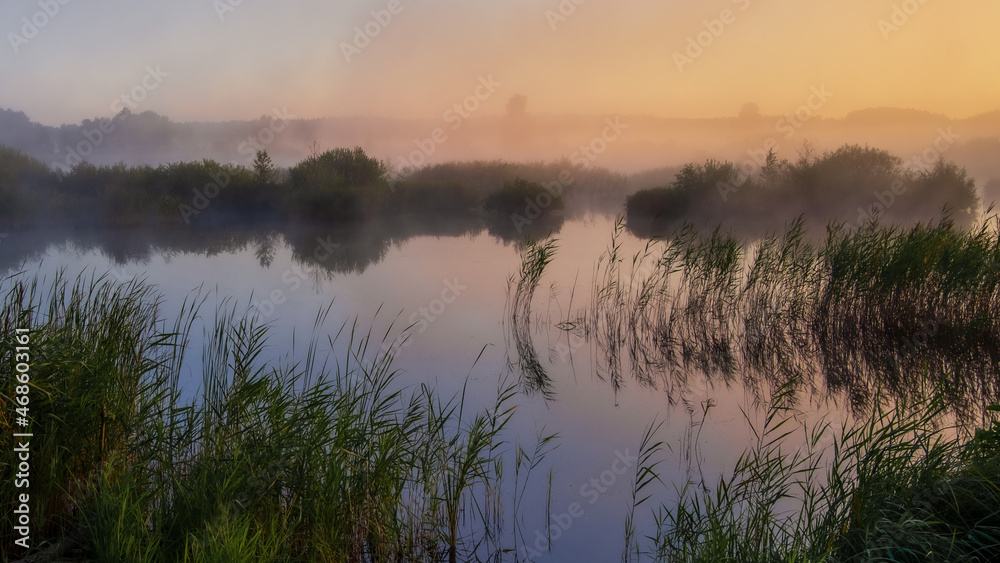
column 339, row 185
column 853, row 185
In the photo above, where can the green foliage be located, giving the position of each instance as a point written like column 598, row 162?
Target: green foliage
column 339, row 168
column 851, row 183
column 866, row 308
column 263, row 168
column 535, row 257
column 338, row 184
column 518, row 196
column 896, row 487
column 431, row 199
column 267, row 463
column 21, row 178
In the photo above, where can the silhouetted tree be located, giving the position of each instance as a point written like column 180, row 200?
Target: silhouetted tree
column 517, row 105
column 263, row 168
column 750, row 110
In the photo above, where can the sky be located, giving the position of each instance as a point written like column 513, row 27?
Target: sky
column 216, row 60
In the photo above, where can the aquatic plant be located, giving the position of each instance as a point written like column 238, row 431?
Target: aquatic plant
column 265, row 462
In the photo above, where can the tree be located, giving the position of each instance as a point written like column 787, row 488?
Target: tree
column 771, row 171
column 339, row 168
column 263, row 168
column 517, row 106
column 750, row 110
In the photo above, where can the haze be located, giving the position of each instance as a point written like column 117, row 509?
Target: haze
column 227, row 62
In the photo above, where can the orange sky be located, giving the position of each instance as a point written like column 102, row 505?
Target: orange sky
column 566, row 56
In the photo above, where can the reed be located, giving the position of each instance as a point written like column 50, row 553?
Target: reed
column 535, row 257
column 268, row 462
column 895, row 486
column 861, row 309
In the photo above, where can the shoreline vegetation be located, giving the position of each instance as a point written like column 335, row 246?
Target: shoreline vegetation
column 294, row 462
column 878, row 308
column 275, row 462
column 266, row 463
column 290, row 464
column 343, row 186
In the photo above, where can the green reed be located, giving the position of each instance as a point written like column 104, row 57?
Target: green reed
column 895, row 486
column 882, row 300
column 535, row 257
column 267, row 462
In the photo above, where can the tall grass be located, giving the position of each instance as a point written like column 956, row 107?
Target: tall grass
column 873, row 307
column 894, row 487
column 266, row 463
column 535, row 257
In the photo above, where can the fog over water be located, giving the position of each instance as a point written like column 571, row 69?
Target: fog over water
column 631, row 212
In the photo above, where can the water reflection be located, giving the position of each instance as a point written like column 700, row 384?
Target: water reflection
column 333, row 248
column 872, row 312
column 685, row 310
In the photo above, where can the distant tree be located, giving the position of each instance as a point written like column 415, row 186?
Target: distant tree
column 750, row 110
column 517, row 105
column 772, row 169
column 263, row 168
column 315, row 149
column 947, row 185
column 696, row 190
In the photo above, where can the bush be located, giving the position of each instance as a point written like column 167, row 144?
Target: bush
column 339, row 168
column 833, row 187
column 521, row 197
column 20, row 175
column 339, row 184
column 440, row 199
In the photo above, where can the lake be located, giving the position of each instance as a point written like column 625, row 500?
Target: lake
column 438, row 297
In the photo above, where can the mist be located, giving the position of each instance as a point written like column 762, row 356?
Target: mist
column 627, row 87
column 622, row 143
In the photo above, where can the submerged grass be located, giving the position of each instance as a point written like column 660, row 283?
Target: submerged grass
column 894, row 485
column 267, row 463
column 872, row 307
column 535, row 257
